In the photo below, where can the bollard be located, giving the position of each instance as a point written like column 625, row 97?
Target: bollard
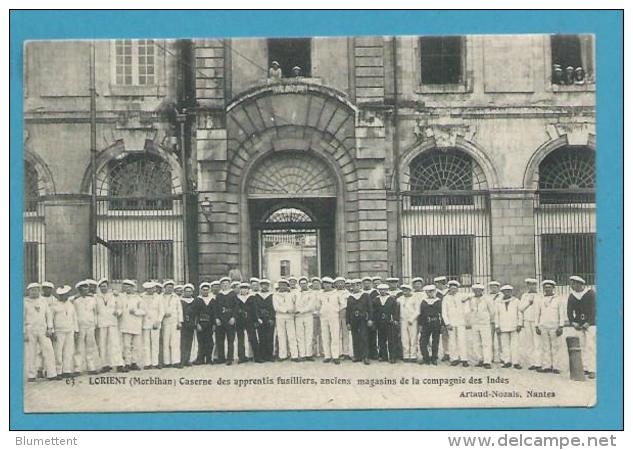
column 576, row 371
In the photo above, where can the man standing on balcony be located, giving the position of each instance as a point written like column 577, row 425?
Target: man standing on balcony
column 275, row 73
column 531, row 341
column 581, row 312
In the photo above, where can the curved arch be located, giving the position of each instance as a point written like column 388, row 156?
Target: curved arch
column 46, row 184
column 117, row 151
column 468, row 148
column 530, row 177
column 478, row 156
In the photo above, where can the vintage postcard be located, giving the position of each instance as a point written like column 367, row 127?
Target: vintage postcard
column 362, row 222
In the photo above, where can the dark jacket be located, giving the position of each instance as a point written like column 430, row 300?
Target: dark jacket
column 225, row 307
column 265, row 308
column 204, row 312
column 387, row 313
column 358, row 309
column 430, row 315
column 251, row 308
column 582, row 311
column 189, row 314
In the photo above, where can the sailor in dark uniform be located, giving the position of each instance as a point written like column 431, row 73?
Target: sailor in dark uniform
column 204, row 327
column 387, row 318
column 396, row 293
column 189, row 323
column 253, row 320
column 430, row 320
column 241, row 321
column 266, row 314
column 372, row 336
column 225, row 307
column 440, row 291
column 358, row 318
column 581, row 313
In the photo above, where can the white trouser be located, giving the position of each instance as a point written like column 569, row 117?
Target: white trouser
column 496, row 343
column 171, row 343
column 40, row 339
column 531, row 343
column 549, row 346
column 588, row 346
column 317, row 342
column 86, row 350
column 132, row 348
column 457, row 343
column 151, row 339
column 304, row 324
column 64, row 346
column 287, row 336
column 510, row 347
column 409, row 337
column 482, row 343
column 344, row 339
column 110, row 346
column 330, row 335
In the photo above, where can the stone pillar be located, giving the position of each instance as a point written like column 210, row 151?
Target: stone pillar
column 68, row 249
column 512, row 237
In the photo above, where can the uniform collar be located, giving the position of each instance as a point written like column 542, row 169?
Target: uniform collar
column 581, row 294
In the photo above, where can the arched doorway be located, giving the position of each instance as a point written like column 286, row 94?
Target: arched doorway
column 292, row 211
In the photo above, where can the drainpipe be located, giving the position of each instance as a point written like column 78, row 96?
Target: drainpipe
column 93, row 157
column 396, row 155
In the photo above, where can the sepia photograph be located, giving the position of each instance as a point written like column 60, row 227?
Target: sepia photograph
column 309, row 223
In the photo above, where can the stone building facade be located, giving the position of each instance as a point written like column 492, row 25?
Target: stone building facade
column 471, row 156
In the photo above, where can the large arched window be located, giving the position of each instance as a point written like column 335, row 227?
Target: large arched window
column 565, row 214
column 139, row 181
column 34, row 227
column 445, row 218
column 31, row 187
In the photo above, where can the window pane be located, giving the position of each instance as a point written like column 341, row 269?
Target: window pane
column 563, row 255
column 450, row 256
column 441, row 59
column 31, row 262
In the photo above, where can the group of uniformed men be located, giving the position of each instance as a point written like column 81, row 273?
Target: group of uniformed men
column 99, row 329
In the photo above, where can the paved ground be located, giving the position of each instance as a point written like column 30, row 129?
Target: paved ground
column 309, row 385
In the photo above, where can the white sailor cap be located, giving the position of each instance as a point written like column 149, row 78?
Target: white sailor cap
column 32, row 285
column 383, row 286
column 102, row 280
column 531, row 280
column 392, row 279
column 283, row 280
column 429, row 287
column 337, row 279
column 264, row 281
column 355, row 281
column 417, row 279
column 81, row 283
column 274, row 63
column 235, row 283
column 376, row 278
column 439, row 280
column 292, row 278
column 507, row 287
column 366, row 279
column 167, row 282
column 327, row 280
column 225, row 279
column 578, row 279
column 91, row 282
column 188, row 286
column 494, row 283
column 149, row 285
column 205, row 284
column 63, row 290
column 129, row 282
column 478, row 286
column 406, row 286
column 244, row 284
column 178, row 286
column 254, row 280
column 315, row 279
column 550, row 282
column 303, row 278
column 214, row 283
column 48, row 284
column 454, row 283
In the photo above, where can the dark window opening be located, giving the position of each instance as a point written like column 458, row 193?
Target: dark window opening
column 31, row 187
column 450, row 256
column 31, row 262
column 284, row 268
column 571, row 58
column 290, row 53
column 141, row 260
column 441, row 59
column 563, row 255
